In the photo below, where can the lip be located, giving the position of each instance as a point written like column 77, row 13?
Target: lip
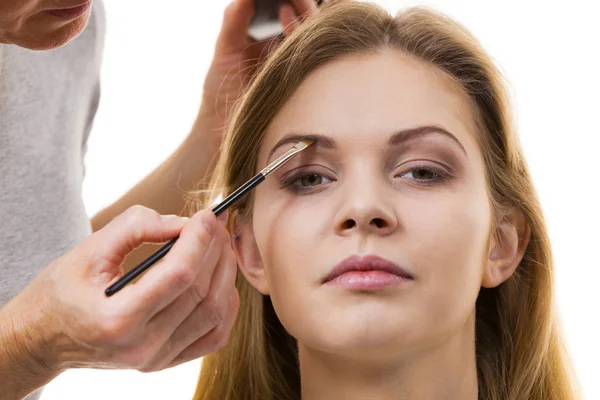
column 71, row 12
column 367, row 272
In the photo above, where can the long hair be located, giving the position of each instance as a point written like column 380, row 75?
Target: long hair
column 520, row 352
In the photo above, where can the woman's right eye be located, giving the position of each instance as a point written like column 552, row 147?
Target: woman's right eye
column 310, row 180
column 306, row 181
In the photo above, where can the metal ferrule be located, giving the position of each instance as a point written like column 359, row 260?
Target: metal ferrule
column 269, row 169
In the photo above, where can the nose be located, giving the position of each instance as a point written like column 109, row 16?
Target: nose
column 365, row 211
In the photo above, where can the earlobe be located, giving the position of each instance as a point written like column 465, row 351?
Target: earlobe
column 247, row 254
column 507, row 248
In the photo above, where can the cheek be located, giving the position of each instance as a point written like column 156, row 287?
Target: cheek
column 450, row 238
column 449, row 249
column 290, row 231
column 288, row 238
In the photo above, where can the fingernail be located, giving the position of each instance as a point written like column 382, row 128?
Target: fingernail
column 209, row 222
column 223, row 217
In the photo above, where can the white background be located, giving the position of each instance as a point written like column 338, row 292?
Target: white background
column 156, row 56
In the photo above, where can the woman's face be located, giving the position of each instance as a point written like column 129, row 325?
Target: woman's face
column 394, row 180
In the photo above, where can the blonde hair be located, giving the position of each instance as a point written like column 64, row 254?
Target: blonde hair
column 519, row 349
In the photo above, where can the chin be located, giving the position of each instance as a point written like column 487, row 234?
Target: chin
column 372, row 338
column 51, row 38
column 367, row 350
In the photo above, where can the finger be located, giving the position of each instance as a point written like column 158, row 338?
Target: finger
column 213, row 341
column 169, row 318
column 210, row 313
column 236, row 22
column 130, row 230
column 288, row 18
column 304, row 7
column 194, row 253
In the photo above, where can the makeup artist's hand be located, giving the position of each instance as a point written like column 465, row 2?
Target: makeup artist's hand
column 181, row 309
column 237, row 56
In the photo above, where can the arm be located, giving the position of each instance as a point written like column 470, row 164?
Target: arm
column 190, row 166
column 21, row 366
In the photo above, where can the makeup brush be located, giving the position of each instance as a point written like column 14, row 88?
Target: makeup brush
column 218, row 209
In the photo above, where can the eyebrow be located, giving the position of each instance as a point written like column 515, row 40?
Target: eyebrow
column 396, row 139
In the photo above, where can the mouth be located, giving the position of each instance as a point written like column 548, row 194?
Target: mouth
column 368, row 272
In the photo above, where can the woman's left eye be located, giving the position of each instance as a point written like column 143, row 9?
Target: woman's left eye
column 420, row 174
column 423, row 175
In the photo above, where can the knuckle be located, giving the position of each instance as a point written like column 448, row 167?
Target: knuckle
column 137, row 212
column 149, row 367
column 141, row 218
column 219, row 341
column 183, row 277
column 137, row 359
column 146, row 369
column 203, row 237
column 141, row 357
column 199, row 292
column 112, row 329
column 216, row 313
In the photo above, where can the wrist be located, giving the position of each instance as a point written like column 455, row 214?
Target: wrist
column 20, row 369
column 31, row 344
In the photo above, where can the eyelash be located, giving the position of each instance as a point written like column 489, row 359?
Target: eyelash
column 440, row 175
column 288, row 181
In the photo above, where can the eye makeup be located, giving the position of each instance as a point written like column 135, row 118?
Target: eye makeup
column 423, row 173
column 422, row 158
column 312, row 180
column 399, row 138
column 218, row 209
column 436, row 151
column 306, row 179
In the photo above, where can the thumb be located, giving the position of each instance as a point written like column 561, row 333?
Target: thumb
column 137, row 225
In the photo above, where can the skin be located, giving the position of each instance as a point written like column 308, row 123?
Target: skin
column 183, row 307
column 415, row 339
column 28, row 23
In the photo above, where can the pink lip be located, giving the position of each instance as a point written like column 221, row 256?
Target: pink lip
column 72, row 12
column 366, row 273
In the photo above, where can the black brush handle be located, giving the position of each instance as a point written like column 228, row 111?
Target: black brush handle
column 160, row 253
column 233, row 197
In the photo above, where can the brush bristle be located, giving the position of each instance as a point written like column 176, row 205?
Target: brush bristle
column 304, row 143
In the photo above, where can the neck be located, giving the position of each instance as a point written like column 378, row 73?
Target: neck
column 447, row 371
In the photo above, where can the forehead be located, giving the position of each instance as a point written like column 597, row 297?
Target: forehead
column 365, row 95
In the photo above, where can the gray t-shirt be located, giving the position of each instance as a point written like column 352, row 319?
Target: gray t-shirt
column 47, row 104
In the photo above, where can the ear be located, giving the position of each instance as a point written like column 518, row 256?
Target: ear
column 507, row 247
column 247, row 254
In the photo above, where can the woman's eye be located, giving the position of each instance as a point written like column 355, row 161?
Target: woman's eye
column 310, row 180
column 306, row 182
column 424, row 175
column 420, row 174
